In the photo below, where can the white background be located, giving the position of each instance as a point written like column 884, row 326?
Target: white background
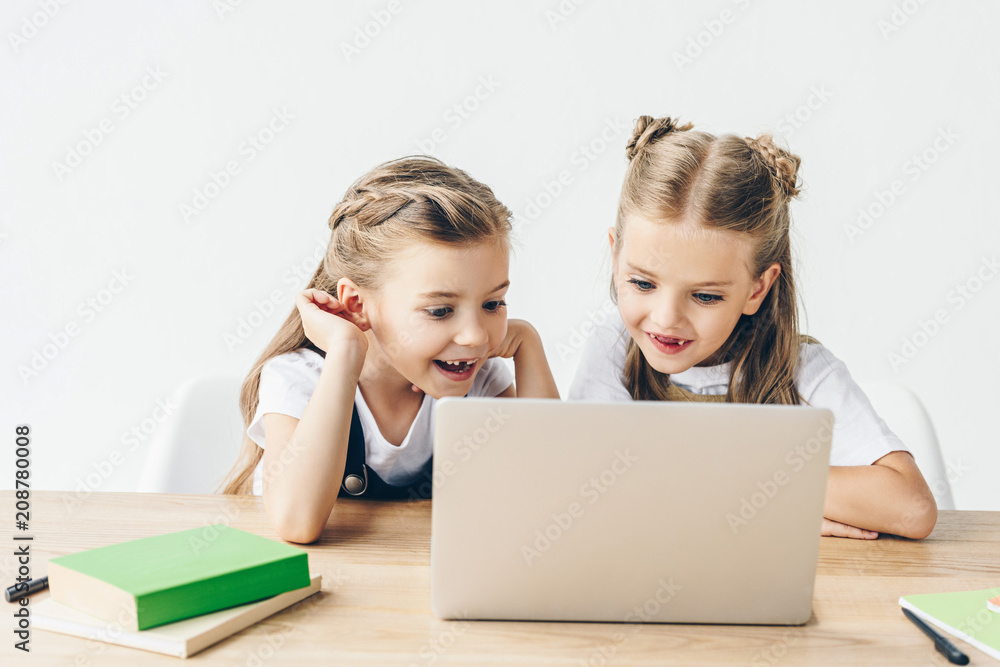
column 857, row 89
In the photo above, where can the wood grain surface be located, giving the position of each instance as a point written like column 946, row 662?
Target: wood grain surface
column 374, row 608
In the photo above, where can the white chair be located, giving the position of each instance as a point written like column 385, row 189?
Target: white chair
column 905, row 415
column 196, row 446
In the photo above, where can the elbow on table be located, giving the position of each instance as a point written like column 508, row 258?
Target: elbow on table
column 292, row 526
column 299, row 534
column 919, row 522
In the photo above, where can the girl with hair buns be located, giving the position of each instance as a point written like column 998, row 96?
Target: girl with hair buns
column 406, row 307
column 702, row 276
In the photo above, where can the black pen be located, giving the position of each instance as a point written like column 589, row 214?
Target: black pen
column 948, row 649
column 18, row 591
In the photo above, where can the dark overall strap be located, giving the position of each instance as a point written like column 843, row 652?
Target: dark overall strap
column 360, row 480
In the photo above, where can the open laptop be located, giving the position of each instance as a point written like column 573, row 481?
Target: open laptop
column 628, row 512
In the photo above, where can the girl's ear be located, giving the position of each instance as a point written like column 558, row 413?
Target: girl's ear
column 350, row 296
column 760, row 288
column 614, row 255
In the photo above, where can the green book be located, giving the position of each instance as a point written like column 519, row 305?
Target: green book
column 966, row 615
column 155, row 580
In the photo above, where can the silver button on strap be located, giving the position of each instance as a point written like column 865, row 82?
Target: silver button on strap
column 355, row 485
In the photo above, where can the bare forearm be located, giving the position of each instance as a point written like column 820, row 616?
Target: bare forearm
column 302, row 482
column 880, row 498
column 532, row 375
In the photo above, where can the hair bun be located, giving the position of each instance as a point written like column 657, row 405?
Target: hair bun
column 649, row 129
column 784, row 166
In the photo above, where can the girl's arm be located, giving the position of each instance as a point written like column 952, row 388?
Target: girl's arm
column 889, row 496
column 532, row 376
column 304, row 459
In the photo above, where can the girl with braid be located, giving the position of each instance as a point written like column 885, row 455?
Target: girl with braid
column 702, row 276
column 406, row 307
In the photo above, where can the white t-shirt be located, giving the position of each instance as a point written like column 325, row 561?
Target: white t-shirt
column 288, row 381
column 860, row 436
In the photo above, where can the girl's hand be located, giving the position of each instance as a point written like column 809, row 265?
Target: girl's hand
column 512, row 341
column 835, row 529
column 327, row 323
column 532, row 376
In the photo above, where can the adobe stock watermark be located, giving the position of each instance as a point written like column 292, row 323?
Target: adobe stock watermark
column 914, row 168
column 87, row 310
column 562, row 12
column 225, row 7
column 642, row 613
column 34, row 23
column 900, row 15
column 267, row 648
column 579, row 334
column 603, row 655
column 295, row 278
column 957, row 298
column 289, row 454
column 875, row 551
column 984, row 617
column 778, row 649
column 247, row 152
column 458, row 113
column 130, row 440
column 796, row 459
column 590, row 491
column 121, row 108
column 794, row 120
column 464, row 449
column 101, row 638
column 651, row 608
column 703, row 40
column 370, row 30
column 208, row 534
column 581, row 158
column 431, row 651
column 955, row 471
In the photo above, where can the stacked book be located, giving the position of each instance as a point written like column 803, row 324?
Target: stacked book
column 175, row 593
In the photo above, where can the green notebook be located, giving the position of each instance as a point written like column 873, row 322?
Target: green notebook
column 964, row 615
column 155, row 580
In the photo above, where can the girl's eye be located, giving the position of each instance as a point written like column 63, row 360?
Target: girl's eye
column 708, row 298
column 438, row 313
column 494, row 306
column 641, row 285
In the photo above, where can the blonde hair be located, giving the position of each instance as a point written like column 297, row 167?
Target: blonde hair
column 740, row 185
column 396, row 204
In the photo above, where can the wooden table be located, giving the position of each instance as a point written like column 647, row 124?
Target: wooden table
column 374, row 608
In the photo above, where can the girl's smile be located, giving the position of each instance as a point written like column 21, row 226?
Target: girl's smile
column 458, row 370
column 669, row 344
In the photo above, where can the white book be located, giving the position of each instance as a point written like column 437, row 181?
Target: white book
column 182, row 638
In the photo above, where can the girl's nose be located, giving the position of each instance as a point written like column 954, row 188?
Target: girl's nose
column 666, row 314
column 472, row 333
